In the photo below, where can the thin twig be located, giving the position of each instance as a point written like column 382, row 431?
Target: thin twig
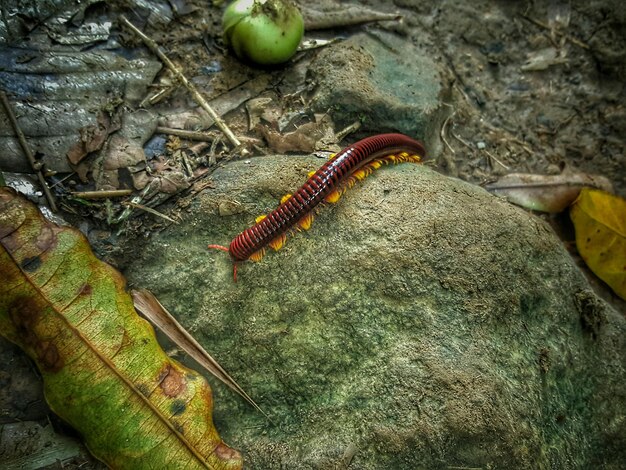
column 460, row 90
column 347, row 130
column 462, row 141
column 443, row 132
column 186, row 164
column 150, row 210
column 149, row 189
column 558, row 126
column 493, row 157
column 469, row 146
column 212, row 157
column 154, row 47
column 102, row 194
column 37, row 167
column 190, row 135
column 571, row 39
column 62, row 179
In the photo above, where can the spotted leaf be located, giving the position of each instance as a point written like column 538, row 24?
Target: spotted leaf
column 103, row 370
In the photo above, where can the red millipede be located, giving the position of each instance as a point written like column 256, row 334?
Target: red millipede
column 327, row 184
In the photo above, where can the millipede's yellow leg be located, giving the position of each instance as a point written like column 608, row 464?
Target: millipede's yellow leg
column 305, row 222
column 278, row 242
column 257, row 255
column 333, row 197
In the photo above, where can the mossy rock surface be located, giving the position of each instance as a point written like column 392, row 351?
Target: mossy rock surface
column 420, row 323
column 386, row 83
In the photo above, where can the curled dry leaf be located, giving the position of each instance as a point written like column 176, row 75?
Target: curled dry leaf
column 103, row 370
column 148, row 305
column 343, row 16
column 600, row 222
column 307, row 138
column 545, row 193
column 543, row 59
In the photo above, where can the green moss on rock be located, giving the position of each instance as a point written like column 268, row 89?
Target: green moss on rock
column 420, row 323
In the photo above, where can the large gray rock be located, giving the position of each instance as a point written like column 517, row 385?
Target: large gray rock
column 420, row 323
column 383, row 81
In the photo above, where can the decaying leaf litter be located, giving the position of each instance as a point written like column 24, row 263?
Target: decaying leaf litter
column 490, row 130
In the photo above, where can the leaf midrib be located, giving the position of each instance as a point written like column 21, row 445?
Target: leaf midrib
column 107, row 362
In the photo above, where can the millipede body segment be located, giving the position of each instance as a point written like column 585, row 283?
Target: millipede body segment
column 351, row 164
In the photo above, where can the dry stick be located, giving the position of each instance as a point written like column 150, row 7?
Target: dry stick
column 190, row 135
column 461, row 140
column 62, row 180
column 559, row 125
column 102, row 194
column 35, row 165
column 150, row 210
column 490, row 155
column 493, row 157
column 443, row 132
column 571, row 39
column 135, row 200
column 154, row 47
column 448, row 158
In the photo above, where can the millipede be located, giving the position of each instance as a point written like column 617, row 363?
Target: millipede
column 327, row 184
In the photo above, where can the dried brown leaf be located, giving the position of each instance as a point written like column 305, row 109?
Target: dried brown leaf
column 149, row 306
column 545, row 193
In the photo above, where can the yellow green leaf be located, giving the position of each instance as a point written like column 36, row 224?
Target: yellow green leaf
column 103, row 371
column 600, row 222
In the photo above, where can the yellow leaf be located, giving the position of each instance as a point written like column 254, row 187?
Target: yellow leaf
column 600, row 222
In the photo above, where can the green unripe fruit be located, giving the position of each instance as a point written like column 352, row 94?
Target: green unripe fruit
column 266, row 32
